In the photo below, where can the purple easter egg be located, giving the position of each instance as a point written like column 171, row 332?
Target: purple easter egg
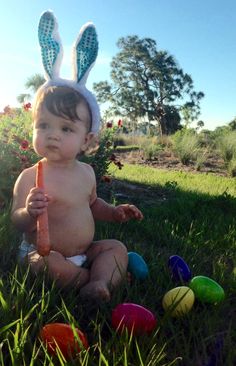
column 179, row 269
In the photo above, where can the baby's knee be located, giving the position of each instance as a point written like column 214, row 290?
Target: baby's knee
column 119, row 247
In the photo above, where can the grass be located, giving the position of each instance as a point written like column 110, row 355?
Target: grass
column 192, row 215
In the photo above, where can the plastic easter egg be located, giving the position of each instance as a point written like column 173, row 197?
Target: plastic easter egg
column 60, row 335
column 135, row 318
column 137, row 266
column 178, row 301
column 179, row 269
column 207, row 290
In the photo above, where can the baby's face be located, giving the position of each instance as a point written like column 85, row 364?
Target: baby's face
column 57, row 138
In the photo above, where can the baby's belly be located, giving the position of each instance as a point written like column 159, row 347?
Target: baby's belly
column 71, row 233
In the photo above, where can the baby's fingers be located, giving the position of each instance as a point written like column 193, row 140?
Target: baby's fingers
column 136, row 213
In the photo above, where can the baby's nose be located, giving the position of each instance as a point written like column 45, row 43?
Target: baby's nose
column 54, row 135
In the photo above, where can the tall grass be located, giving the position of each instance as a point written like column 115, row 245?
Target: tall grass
column 191, row 215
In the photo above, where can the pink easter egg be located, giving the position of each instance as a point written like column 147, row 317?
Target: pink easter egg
column 135, row 318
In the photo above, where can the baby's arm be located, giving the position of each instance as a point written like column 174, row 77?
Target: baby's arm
column 103, row 211
column 28, row 202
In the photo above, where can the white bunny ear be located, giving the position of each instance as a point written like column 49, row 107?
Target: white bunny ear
column 84, row 53
column 51, row 47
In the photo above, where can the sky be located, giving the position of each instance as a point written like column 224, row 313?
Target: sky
column 200, row 34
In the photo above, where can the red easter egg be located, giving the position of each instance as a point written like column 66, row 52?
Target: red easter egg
column 135, row 318
column 60, row 335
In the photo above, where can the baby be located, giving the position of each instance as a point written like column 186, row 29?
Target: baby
column 61, row 131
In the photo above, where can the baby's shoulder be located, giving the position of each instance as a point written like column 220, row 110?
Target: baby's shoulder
column 27, row 174
column 85, row 169
column 25, row 181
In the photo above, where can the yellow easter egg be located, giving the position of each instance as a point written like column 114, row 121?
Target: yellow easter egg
column 178, row 301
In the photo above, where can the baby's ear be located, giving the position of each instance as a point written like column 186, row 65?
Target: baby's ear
column 91, row 140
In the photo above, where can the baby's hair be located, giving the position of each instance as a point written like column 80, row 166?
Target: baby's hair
column 62, row 101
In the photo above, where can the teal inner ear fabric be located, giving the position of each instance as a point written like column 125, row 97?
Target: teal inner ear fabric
column 50, row 48
column 87, row 50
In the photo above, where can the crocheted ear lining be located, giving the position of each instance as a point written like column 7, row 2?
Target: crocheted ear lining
column 49, row 41
column 86, row 48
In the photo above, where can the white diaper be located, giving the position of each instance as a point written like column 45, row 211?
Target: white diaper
column 25, row 248
column 79, row 260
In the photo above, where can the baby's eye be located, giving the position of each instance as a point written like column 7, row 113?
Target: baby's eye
column 67, row 129
column 42, row 125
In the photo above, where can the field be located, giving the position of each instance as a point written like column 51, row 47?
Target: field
column 189, row 214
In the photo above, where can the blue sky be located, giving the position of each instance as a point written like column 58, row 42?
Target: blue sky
column 200, row 34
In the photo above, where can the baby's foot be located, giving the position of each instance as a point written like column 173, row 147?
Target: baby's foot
column 97, row 290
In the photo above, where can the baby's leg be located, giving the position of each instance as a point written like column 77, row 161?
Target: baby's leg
column 63, row 271
column 109, row 262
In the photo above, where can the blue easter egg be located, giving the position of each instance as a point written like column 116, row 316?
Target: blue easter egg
column 179, row 269
column 137, row 266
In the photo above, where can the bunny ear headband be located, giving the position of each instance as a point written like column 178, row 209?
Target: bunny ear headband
column 84, row 54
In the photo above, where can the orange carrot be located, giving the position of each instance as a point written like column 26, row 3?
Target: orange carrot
column 43, row 243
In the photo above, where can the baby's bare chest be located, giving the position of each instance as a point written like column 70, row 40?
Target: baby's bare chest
column 67, row 192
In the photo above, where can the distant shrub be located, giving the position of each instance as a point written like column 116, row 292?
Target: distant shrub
column 226, row 144
column 232, row 168
column 151, row 151
column 186, row 145
column 201, row 158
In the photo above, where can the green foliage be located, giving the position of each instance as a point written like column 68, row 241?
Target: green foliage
column 32, row 83
column 16, row 152
column 151, row 148
column 227, row 146
column 232, row 124
column 148, row 82
column 100, row 160
column 232, row 167
column 186, row 145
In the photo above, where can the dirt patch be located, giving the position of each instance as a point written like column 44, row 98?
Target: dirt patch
column 166, row 160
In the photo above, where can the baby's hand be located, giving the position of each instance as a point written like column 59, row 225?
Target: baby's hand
column 36, row 202
column 125, row 212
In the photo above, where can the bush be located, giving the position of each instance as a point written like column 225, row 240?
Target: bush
column 227, row 146
column 16, row 152
column 232, row 168
column 186, row 145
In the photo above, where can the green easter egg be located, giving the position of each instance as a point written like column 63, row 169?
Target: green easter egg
column 178, row 301
column 207, row 290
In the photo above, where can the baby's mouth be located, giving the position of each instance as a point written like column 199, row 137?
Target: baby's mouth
column 52, row 147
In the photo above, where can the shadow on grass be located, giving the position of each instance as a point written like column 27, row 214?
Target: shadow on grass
column 199, row 227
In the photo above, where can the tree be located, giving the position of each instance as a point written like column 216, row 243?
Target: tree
column 32, row 83
column 145, row 82
column 200, row 124
column 232, row 124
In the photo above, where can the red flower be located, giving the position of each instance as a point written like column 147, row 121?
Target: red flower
column 112, row 157
column 27, row 106
column 24, row 145
column 120, row 123
column 106, row 179
column 109, row 124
